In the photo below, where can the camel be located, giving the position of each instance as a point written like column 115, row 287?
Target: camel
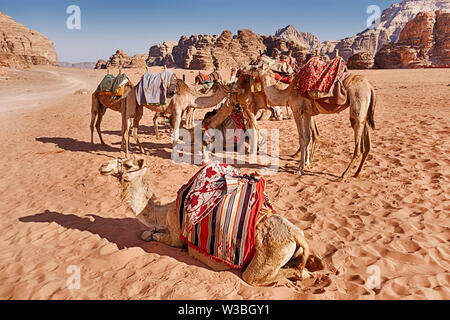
column 125, row 105
column 278, row 242
column 185, row 98
column 361, row 102
column 255, row 101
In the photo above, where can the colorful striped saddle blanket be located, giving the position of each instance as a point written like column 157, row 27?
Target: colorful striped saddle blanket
column 202, row 78
column 218, row 210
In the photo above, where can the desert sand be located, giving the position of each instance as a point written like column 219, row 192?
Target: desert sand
column 58, row 211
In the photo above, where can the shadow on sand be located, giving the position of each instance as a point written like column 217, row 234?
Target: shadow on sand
column 71, row 144
column 124, row 232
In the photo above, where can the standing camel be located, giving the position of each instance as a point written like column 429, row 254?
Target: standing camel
column 254, row 101
column 278, row 242
column 361, row 100
column 126, row 105
column 185, row 98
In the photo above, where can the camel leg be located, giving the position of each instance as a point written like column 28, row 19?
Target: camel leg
column 126, row 125
column 253, row 125
column 303, row 145
column 155, row 124
column 136, row 120
column 94, row 112
column 176, row 122
column 190, row 116
column 307, row 140
column 358, row 128
column 298, row 118
column 101, row 113
column 367, row 145
column 93, row 116
column 314, row 138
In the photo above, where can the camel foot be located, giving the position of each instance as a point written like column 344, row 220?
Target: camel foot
column 147, row 236
column 340, row 179
column 301, row 172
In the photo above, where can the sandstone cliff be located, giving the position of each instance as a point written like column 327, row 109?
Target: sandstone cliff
column 20, row 46
column 424, row 42
column 392, row 21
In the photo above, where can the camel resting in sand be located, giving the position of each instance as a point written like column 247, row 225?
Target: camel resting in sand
column 278, row 242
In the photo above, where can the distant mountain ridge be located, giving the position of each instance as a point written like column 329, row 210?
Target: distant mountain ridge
column 81, row 65
column 305, row 38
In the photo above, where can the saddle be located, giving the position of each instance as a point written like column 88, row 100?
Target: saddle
column 204, row 79
column 155, row 88
column 325, row 84
column 219, row 210
column 113, row 86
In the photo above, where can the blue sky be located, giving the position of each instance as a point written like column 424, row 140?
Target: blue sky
column 135, row 25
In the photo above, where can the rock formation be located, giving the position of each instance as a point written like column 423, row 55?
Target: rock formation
column 209, row 52
column 20, row 46
column 424, row 42
column 305, row 39
column 121, row 60
column 392, row 21
column 361, row 60
column 101, row 64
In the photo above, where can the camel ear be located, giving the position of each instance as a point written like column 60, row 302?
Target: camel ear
column 141, row 163
column 314, row 263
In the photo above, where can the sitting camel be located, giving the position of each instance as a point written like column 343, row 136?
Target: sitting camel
column 278, row 242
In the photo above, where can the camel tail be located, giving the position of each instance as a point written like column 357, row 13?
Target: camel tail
column 371, row 112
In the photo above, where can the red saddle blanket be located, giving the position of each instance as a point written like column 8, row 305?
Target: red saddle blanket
column 325, row 84
column 218, row 210
column 318, row 75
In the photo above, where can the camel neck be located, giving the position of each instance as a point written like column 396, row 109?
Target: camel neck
column 209, row 101
column 275, row 95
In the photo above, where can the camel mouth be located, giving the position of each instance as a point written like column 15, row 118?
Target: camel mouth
column 106, row 172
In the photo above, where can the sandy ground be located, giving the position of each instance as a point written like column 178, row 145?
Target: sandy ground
column 57, row 211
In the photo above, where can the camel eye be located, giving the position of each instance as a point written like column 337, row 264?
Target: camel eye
column 127, row 166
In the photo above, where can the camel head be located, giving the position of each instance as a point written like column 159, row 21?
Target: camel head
column 135, row 179
column 260, row 70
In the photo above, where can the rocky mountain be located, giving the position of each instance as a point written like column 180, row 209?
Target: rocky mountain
column 80, row 65
column 209, row 52
column 227, row 50
column 306, row 39
column 121, row 60
column 392, row 21
column 424, row 42
column 361, row 60
column 20, row 46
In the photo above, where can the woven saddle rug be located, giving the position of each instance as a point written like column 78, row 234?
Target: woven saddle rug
column 324, row 83
column 218, row 210
column 113, row 86
column 150, row 89
column 203, row 78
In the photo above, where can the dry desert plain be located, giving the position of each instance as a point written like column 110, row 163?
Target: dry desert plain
column 58, row 211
